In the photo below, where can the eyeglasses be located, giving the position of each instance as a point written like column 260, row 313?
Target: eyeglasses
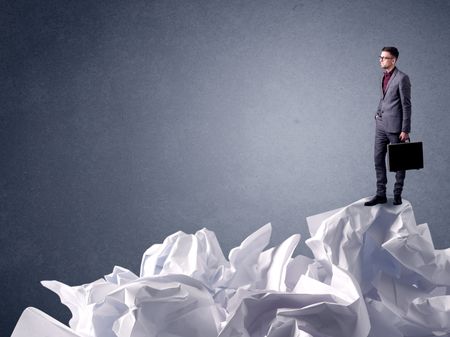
column 385, row 58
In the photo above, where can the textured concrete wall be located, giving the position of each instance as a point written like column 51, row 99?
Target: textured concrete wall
column 125, row 121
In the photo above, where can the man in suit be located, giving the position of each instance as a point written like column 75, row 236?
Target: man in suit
column 392, row 122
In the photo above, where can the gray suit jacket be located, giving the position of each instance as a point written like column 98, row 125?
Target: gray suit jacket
column 395, row 105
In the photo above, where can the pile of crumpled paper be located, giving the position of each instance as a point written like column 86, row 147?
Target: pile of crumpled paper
column 374, row 273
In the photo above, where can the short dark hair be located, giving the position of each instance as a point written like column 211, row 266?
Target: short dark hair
column 392, row 50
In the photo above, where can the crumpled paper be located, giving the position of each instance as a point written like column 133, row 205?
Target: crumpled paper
column 374, row 273
column 404, row 280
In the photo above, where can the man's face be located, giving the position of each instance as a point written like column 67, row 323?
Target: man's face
column 387, row 61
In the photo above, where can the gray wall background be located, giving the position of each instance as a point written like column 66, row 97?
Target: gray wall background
column 125, row 121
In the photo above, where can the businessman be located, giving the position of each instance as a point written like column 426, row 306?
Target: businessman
column 392, row 122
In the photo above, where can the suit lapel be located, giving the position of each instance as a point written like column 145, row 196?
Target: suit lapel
column 389, row 83
column 381, row 85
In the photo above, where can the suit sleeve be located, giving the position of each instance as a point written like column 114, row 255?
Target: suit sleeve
column 405, row 97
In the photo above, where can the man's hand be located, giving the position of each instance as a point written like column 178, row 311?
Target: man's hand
column 404, row 136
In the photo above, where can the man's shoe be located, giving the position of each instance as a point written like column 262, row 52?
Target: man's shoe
column 397, row 200
column 376, row 200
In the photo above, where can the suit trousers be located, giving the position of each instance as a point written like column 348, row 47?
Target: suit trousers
column 382, row 139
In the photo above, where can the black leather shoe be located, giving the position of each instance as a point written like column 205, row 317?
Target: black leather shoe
column 376, row 200
column 397, row 200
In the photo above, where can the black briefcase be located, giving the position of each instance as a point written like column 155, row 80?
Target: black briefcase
column 405, row 156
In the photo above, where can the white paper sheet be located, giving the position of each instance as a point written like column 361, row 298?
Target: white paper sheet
column 35, row 323
column 374, row 273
